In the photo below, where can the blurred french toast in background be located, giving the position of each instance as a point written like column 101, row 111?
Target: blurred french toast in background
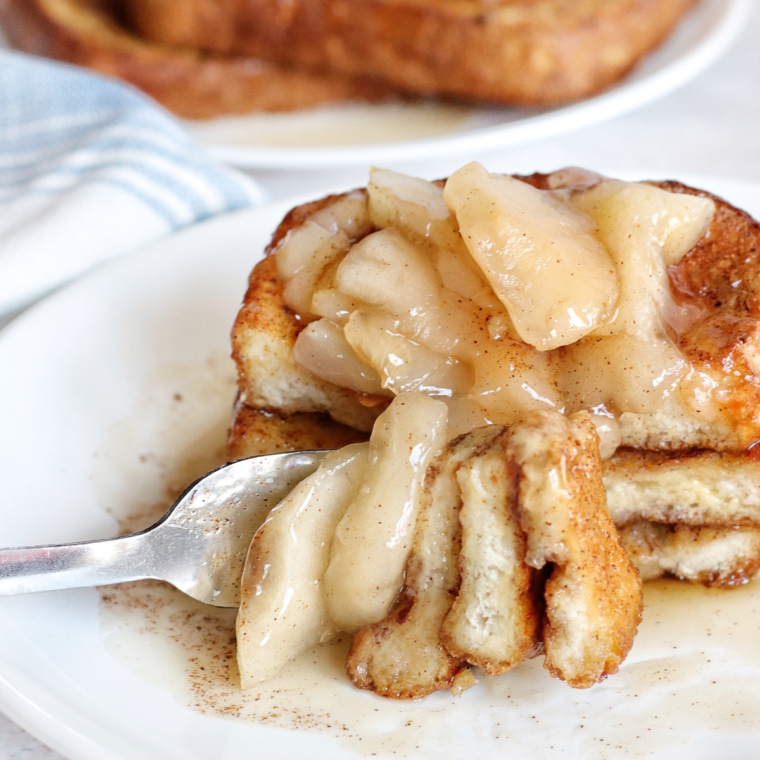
column 515, row 52
column 189, row 82
column 203, row 58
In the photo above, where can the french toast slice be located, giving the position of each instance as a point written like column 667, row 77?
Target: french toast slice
column 717, row 557
column 697, row 488
column 718, row 276
column 527, row 53
column 495, row 621
column 402, row 656
column 593, row 594
column 188, row 82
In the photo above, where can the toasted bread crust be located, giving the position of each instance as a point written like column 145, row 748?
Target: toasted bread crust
column 593, row 594
column 189, row 83
column 255, row 432
column 716, row 557
column 698, row 488
column 505, row 52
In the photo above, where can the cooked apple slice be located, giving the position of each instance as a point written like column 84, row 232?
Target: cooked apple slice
column 374, row 538
column 631, row 364
column 385, row 269
column 307, row 249
column 645, row 229
column 301, row 257
column 348, row 213
column 621, row 373
column 322, row 348
column 538, row 252
column 413, row 206
column 461, row 275
column 402, row 364
column 512, row 378
column 328, row 301
column 282, row 607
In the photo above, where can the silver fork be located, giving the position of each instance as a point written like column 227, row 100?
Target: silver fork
column 199, row 545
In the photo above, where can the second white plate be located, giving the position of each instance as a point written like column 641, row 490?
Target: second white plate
column 376, row 134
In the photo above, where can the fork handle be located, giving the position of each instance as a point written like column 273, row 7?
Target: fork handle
column 80, row 565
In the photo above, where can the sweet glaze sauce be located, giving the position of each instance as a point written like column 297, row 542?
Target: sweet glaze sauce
column 691, row 683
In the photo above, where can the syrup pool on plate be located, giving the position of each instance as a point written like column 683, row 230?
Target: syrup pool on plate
column 695, row 662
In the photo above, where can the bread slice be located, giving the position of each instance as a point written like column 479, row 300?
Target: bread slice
column 718, row 557
column 697, row 488
column 402, row 657
column 191, row 84
column 495, row 622
column 724, row 343
column 528, row 53
column 593, row 594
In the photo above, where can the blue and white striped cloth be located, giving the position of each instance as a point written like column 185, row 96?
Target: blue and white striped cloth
column 91, row 169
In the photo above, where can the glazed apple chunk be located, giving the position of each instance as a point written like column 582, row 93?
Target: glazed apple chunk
column 632, row 363
column 373, row 540
column 331, row 556
column 540, row 256
column 282, row 607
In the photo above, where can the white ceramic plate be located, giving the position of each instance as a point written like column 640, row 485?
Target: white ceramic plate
column 89, row 415
column 373, row 134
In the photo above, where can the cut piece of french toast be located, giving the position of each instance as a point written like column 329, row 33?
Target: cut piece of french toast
column 507, row 51
column 188, row 82
column 680, row 485
column 593, row 593
column 507, row 501
column 402, row 656
column 495, row 621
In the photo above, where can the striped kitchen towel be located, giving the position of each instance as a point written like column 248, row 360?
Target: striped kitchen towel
column 91, row 169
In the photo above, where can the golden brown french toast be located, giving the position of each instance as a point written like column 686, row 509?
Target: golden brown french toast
column 510, row 51
column 593, row 593
column 188, row 82
column 719, row 557
column 506, row 501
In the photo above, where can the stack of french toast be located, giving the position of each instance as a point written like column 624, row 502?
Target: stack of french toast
column 204, row 58
column 557, row 375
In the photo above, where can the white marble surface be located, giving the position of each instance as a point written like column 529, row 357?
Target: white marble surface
column 710, row 127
